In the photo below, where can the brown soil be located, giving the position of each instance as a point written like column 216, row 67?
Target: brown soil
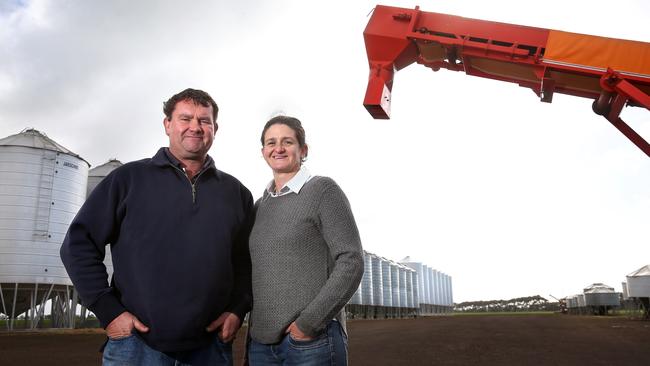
column 449, row 340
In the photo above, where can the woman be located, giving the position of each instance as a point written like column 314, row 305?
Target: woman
column 306, row 255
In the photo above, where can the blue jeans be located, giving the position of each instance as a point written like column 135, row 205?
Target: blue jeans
column 327, row 349
column 132, row 351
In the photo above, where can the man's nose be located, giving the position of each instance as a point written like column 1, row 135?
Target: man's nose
column 195, row 125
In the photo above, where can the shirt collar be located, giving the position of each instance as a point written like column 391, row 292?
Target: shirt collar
column 294, row 184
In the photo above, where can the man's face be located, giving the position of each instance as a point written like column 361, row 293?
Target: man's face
column 191, row 130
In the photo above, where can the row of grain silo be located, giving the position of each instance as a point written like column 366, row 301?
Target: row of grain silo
column 42, row 186
column 600, row 299
column 391, row 289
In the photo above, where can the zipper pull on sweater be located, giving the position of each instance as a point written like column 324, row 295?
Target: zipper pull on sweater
column 193, row 192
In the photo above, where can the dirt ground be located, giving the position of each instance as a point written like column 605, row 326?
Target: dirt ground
column 449, row 340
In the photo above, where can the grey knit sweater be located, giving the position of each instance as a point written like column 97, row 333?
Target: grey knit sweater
column 307, row 260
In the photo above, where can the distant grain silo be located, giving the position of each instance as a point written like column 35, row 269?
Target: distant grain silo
column 403, row 299
column 377, row 282
column 581, row 300
column 638, row 287
column 638, row 282
column 98, row 173
column 42, row 186
column 424, row 298
column 625, row 295
column 366, row 280
column 394, row 278
column 599, row 298
column 386, row 283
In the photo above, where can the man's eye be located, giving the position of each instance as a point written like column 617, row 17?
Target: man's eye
column 206, row 121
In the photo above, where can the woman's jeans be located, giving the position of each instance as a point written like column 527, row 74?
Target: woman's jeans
column 329, row 348
column 133, row 351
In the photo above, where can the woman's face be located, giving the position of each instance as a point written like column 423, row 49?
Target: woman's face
column 281, row 149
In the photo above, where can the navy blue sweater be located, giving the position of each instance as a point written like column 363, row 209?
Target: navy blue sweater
column 180, row 250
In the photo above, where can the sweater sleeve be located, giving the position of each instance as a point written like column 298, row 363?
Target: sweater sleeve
column 84, row 248
column 242, row 298
column 340, row 232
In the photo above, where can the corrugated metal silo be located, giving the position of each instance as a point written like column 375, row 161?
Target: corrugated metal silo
column 432, row 286
column 447, row 289
column 443, row 288
column 42, row 186
column 377, row 282
column 450, row 291
column 394, row 278
column 581, row 300
column 638, row 282
column 424, row 279
column 366, row 280
column 409, row 287
column 98, row 173
column 356, row 297
column 386, row 282
column 435, row 284
column 416, row 289
column 599, row 294
column 417, row 285
column 403, row 299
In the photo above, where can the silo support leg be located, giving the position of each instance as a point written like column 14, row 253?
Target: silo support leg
column 41, row 308
column 13, row 308
column 4, row 306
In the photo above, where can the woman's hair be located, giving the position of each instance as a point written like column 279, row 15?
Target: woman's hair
column 291, row 122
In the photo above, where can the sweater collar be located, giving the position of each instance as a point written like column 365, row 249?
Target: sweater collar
column 165, row 158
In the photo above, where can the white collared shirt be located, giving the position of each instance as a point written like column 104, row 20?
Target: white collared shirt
column 294, row 184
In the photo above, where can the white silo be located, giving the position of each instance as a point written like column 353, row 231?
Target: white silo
column 433, row 280
column 624, row 286
column 433, row 283
column 394, row 278
column 417, row 283
column 442, row 301
column 638, row 282
column 98, row 173
column 416, row 289
column 403, row 299
column 424, row 279
column 377, row 282
column 445, row 285
column 450, row 291
column 42, row 186
column 366, row 280
column 386, row 282
column 356, row 297
column 409, row 287
column 601, row 295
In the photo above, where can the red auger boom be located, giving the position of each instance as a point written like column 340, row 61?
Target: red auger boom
column 613, row 72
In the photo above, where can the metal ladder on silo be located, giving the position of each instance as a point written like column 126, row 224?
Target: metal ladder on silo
column 44, row 206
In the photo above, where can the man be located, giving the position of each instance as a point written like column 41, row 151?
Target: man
column 178, row 230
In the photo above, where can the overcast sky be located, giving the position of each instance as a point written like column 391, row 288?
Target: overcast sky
column 477, row 178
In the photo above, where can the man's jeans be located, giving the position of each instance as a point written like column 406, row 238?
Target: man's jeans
column 132, row 351
column 329, row 348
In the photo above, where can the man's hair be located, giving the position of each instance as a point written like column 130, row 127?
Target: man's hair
column 291, row 122
column 197, row 96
